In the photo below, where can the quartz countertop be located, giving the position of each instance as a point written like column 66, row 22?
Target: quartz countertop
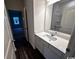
column 61, row 43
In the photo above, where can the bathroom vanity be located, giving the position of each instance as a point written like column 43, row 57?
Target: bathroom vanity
column 58, row 26
column 51, row 48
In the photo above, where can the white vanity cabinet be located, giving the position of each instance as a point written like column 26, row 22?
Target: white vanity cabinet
column 47, row 50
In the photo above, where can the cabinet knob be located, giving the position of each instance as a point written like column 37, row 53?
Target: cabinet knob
column 68, row 50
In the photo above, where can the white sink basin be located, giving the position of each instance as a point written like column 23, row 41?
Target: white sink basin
column 59, row 34
column 52, row 38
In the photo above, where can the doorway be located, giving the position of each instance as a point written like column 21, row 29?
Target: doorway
column 17, row 27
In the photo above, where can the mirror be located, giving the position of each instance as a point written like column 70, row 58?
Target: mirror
column 60, row 17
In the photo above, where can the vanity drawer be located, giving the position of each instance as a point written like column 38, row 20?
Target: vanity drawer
column 58, row 52
column 49, row 54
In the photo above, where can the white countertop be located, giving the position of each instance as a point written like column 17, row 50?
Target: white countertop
column 60, row 43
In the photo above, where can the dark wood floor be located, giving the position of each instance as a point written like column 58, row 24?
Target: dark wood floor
column 27, row 52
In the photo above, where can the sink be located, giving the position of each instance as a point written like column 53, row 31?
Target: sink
column 59, row 34
column 56, row 40
column 51, row 38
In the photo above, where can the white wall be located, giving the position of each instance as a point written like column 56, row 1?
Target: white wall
column 30, row 18
column 35, row 16
column 39, row 15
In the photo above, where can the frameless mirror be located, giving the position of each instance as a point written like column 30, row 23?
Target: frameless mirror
column 60, row 17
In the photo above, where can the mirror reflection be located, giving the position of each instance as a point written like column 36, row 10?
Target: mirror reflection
column 60, row 18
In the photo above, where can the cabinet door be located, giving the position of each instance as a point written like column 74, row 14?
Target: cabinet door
column 39, row 44
column 49, row 54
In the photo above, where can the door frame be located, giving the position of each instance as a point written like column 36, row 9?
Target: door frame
column 26, row 24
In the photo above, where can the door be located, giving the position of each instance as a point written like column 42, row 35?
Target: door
column 16, row 22
column 9, row 47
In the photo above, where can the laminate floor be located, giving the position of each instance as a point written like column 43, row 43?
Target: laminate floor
column 27, row 52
